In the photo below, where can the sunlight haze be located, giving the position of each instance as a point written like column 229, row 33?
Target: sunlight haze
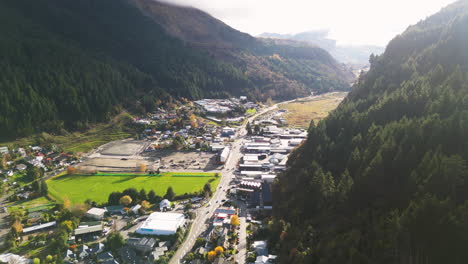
column 349, row 22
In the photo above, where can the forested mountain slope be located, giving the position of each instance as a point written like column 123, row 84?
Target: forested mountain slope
column 384, row 178
column 67, row 63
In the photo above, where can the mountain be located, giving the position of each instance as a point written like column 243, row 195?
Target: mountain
column 384, row 179
column 79, row 62
column 357, row 55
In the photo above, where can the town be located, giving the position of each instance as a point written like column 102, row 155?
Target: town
column 232, row 149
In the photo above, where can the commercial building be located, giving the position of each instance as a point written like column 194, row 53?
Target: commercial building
column 39, row 227
column 161, row 224
column 224, row 155
column 96, row 213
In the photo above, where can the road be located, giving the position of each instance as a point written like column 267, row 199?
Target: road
column 204, row 213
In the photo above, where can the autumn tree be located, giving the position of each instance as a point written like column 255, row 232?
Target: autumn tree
column 211, row 256
column 17, row 227
column 141, row 167
column 71, row 170
column 145, row 205
column 219, row 250
column 125, row 200
column 67, row 225
column 235, row 220
column 66, row 203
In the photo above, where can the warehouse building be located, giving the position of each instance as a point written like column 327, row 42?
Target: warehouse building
column 161, row 224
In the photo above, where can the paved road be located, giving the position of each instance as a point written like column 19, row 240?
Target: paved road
column 203, row 214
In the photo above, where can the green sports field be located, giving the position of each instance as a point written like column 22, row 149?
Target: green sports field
column 78, row 188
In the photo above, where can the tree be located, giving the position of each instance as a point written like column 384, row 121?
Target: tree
column 49, row 259
column 249, row 129
column 44, row 188
column 67, row 225
column 235, row 220
column 71, row 170
column 169, row 194
column 66, row 203
column 36, row 261
column 211, row 256
column 142, row 195
column 17, row 227
column 125, row 200
column 114, row 198
column 141, row 167
column 219, row 250
column 145, row 205
column 114, row 242
column 207, row 189
column 152, row 196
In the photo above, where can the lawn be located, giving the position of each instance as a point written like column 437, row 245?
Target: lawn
column 32, row 205
column 78, row 188
column 301, row 112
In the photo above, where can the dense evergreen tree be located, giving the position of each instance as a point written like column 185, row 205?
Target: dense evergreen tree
column 384, row 178
column 67, row 64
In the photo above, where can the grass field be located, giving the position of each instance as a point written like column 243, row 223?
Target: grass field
column 32, row 205
column 78, row 188
column 301, row 112
column 79, row 142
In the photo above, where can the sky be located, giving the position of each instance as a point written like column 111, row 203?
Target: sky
column 351, row 22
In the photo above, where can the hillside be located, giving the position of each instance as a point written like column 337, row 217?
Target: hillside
column 384, row 178
column 80, row 62
column 357, row 55
column 279, row 69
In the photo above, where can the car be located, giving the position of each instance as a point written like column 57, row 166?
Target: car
column 123, row 159
column 223, row 200
column 217, row 201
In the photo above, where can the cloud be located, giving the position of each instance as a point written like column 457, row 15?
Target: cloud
column 350, row 22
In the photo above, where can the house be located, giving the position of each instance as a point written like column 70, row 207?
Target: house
column 260, row 248
column 4, row 150
column 13, row 258
column 21, row 167
column 135, row 208
column 141, row 244
column 159, row 251
column 97, row 248
column 96, row 213
column 128, row 255
column 220, row 260
column 104, row 257
column 82, row 251
column 69, row 256
column 115, row 209
column 164, row 205
column 89, row 228
column 265, row 259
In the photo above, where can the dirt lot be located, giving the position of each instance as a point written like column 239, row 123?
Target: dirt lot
column 113, row 165
column 124, row 147
column 127, row 155
column 171, row 160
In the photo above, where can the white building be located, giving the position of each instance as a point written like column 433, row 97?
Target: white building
column 224, row 155
column 135, row 208
column 161, row 224
column 96, row 213
column 164, row 205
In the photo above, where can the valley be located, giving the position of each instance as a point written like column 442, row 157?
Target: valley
column 155, row 132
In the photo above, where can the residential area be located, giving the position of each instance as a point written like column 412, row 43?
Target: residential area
column 218, row 224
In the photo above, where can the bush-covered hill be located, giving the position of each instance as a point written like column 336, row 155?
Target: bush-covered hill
column 68, row 63
column 384, row 178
